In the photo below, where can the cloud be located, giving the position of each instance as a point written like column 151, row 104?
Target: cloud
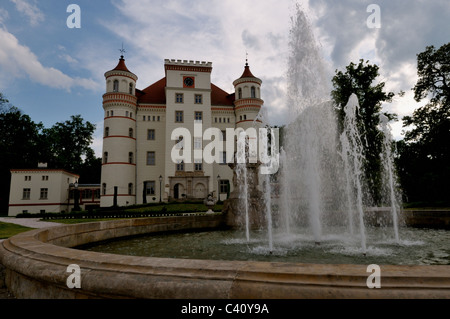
column 3, row 15
column 216, row 31
column 17, row 60
column 250, row 40
column 30, row 10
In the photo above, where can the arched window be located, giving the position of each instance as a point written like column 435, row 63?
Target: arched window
column 130, row 189
column 130, row 132
column 131, row 88
column 104, row 189
column 130, row 158
column 240, row 93
column 105, row 158
column 106, row 131
column 116, row 86
column 253, row 92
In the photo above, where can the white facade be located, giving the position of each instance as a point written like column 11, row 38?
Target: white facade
column 40, row 191
column 138, row 140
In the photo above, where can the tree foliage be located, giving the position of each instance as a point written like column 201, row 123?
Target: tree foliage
column 360, row 79
column 425, row 156
column 24, row 143
column 67, row 143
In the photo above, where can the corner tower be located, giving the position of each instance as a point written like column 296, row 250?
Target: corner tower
column 119, row 139
column 248, row 100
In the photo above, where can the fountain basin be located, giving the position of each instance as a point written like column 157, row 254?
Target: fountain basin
column 36, row 267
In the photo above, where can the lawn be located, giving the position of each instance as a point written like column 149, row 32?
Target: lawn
column 7, row 230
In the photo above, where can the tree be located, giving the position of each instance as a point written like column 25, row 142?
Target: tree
column 359, row 79
column 67, row 144
column 20, row 144
column 426, row 149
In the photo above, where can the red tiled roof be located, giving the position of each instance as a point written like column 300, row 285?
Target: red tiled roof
column 121, row 66
column 247, row 73
column 156, row 94
column 220, row 97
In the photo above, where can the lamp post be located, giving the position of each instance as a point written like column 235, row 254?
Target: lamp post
column 76, row 198
column 160, row 187
column 218, row 188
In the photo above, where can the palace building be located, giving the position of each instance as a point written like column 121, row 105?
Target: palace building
column 138, row 125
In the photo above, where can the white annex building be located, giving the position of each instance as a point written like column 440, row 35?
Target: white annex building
column 45, row 190
column 137, row 163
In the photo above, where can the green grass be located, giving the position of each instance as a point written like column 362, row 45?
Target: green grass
column 8, row 230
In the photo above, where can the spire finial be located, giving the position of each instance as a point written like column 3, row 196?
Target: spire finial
column 122, row 51
column 246, row 58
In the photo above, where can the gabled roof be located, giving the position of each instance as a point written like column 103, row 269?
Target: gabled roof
column 156, row 94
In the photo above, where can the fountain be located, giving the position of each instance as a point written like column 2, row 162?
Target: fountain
column 275, row 252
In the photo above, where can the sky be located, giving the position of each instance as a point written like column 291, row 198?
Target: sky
column 51, row 71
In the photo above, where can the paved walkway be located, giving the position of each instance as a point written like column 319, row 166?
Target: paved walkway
column 28, row 222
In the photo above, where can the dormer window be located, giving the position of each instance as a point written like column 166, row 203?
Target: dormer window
column 116, row 86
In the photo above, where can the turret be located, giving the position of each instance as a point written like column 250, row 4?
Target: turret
column 248, row 100
column 119, row 140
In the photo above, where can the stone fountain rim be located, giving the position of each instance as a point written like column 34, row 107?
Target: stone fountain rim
column 39, row 258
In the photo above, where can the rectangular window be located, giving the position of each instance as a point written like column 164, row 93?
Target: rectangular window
column 86, row 194
column 198, row 167
column 224, row 185
column 159, row 118
column 223, row 158
column 154, row 118
column 27, row 178
column 45, row 178
column 151, row 135
column 143, row 118
column 179, row 98
column 179, row 116
column 197, row 143
column 26, row 193
column 198, row 116
column 151, row 158
column 150, row 188
column 224, row 135
column 130, row 157
column 198, row 99
column 44, row 193
column 180, row 166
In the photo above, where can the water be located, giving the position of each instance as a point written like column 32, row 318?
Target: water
column 322, row 178
column 241, row 170
column 389, row 174
column 352, row 155
column 417, row 247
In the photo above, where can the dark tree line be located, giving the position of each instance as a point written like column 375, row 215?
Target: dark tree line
column 24, row 143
